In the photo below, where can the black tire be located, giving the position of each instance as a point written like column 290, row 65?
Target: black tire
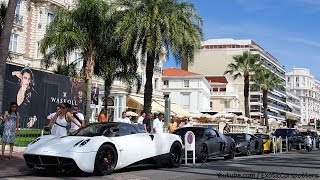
column 261, row 151
column 232, row 153
column 106, row 160
column 203, row 155
column 175, row 155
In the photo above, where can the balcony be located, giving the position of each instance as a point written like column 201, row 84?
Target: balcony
column 157, row 69
column 17, row 20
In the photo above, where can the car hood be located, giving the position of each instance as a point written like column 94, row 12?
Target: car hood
column 54, row 146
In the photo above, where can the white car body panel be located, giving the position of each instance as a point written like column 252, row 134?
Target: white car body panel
column 130, row 148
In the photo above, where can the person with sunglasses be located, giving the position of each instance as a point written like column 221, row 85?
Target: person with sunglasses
column 61, row 119
column 11, row 119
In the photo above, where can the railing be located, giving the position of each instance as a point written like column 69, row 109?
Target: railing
column 223, row 93
column 17, row 20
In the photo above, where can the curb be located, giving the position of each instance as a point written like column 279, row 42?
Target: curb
column 16, row 149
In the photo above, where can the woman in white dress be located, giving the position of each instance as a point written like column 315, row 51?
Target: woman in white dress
column 58, row 123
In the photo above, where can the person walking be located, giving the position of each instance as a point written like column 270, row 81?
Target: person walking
column 61, row 119
column 11, row 124
column 103, row 115
column 158, row 124
column 124, row 118
column 78, row 118
column 173, row 125
column 147, row 122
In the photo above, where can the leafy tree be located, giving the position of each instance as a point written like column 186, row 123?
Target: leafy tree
column 243, row 66
column 67, row 69
column 267, row 81
column 148, row 26
column 81, row 28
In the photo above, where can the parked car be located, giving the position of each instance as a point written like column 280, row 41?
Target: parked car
column 247, row 144
column 267, row 142
column 101, row 148
column 294, row 137
column 209, row 143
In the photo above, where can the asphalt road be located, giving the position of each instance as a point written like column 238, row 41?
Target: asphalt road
column 293, row 165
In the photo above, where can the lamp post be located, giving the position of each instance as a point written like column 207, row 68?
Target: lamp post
column 167, row 111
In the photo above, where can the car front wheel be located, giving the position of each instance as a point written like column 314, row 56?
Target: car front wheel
column 106, row 160
column 175, row 155
column 203, row 155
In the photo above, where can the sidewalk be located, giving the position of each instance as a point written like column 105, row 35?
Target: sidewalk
column 14, row 167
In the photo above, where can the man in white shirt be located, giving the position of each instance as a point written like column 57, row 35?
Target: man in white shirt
column 141, row 118
column 124, row 118
column 78, row 117
column 158, row 124
column 47, row 128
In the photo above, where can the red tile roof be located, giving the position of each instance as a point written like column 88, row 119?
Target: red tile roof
column 217, row 79
column 177, row 72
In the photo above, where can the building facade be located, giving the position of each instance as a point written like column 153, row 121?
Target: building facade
column 294, row 107
column 301, row 82
column 189, row 90
column 29, row 27
column 223, row 96
column 216, row 54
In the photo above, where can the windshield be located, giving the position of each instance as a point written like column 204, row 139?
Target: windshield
column 237, row 136
column 284, row 132
column 198, row 133
column 93, row 129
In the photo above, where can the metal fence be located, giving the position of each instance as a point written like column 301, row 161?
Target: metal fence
column 30, row 129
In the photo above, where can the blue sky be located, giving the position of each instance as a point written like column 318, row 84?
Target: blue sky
column 288, row 29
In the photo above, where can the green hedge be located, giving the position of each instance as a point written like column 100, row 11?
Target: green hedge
column 26, row 136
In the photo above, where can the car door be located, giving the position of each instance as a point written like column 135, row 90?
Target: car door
column 213, row 141
column 252, row 142
column 133, row 146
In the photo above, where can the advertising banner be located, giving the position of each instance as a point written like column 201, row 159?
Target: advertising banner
column 38, row 92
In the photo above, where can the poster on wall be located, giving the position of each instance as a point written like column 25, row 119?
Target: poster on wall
column 37, row 93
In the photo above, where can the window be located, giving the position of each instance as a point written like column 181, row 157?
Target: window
column 288, row 79
column 38, row 50
column 211, row 104
column 50, row 17
column 39, row 19
column 210, row 133
column 78, row 60
column 18, row 8
column 120, row 110
column 297, row 79
column 185, row 101
column 126, row 129
column 156, row 83
column 13, row 45
column 186, row 83
column 166, row 83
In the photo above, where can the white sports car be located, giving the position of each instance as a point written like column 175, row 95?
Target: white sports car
column 101, row 148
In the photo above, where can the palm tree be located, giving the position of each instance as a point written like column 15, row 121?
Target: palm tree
column 67, row 69
column 112, row 65
column 4, row 41
column 148, row 26
column 243, row 66
column 82, row 28
column 267, row 81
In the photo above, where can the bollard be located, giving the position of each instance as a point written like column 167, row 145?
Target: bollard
column 41, row 132
column 314, row 144
column 299, row 146
column 280, row 139
column 273, row 143
column 287, row 145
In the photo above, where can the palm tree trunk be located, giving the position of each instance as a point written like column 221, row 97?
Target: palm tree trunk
column 107, row 89
column 88, row 80
column 265, row 108
column 148, row 89
column 246, row 96
column 4, row 43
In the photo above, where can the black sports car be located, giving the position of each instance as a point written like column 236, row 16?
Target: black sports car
column 247, row 144
column 209, row 143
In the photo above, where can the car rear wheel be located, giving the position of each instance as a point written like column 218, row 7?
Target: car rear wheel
column 231, row 153
column 175, row 155
column 106, row 160
column 203, row 155
column 248, row 152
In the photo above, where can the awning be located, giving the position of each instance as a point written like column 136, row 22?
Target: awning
column 156, row 107
column 178, row 110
